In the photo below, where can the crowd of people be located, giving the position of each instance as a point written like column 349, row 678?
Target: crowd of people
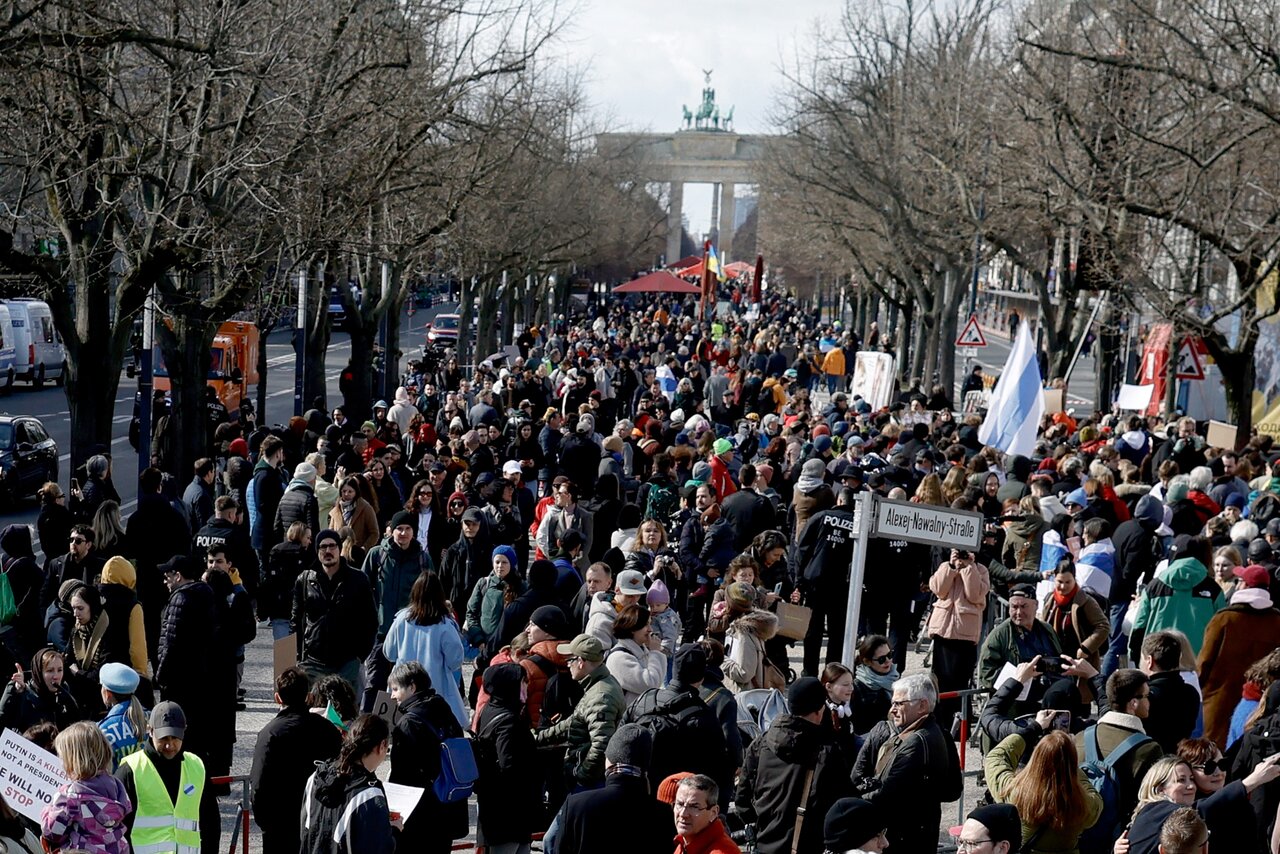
column 564, row 574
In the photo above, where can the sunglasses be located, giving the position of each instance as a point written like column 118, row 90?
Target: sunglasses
column 426, row 492
column 78, row 540
column 456, row 504
column 884, row 659
column 1211, row 766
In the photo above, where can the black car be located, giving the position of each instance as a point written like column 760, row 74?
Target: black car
column 28, row 457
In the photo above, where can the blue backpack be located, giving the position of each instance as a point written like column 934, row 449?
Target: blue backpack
column 1105, row 779
column 458, row 769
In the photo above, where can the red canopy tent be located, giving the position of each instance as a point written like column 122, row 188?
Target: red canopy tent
column 657, row 282
column 686, row 261
column 737, row 268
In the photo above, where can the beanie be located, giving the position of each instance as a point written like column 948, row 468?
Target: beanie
column 405, row 518
column 328, row 534
column 806, row 696
column 658, row 594
column 508, row 552
column 667, row 788
column 630, row 744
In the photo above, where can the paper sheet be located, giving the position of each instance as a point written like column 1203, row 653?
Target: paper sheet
column 1009, row 671
column 1134, row 397
column 402, row 799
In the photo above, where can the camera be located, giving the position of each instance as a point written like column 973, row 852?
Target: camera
column 1051, row 665
column 866, row 785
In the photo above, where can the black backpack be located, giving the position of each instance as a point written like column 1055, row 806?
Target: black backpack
column 561, row 695
column 681, row 731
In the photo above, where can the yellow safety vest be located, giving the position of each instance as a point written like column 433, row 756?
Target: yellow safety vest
column 159, row 825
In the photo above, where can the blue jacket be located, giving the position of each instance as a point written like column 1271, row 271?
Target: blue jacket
column 120, row 735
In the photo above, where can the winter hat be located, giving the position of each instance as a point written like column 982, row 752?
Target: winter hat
column 677, row 417
column 1076, row 497
column 806, row 696
column 508, row 552
column 701, row 471
column 586, row 424
column 1177, row 491
column 458, row 496
column 328, row 534
column 690, row 664
column 551, row 620
column 850, row 824
column 239, row 448
column 613, row 444
column 740, row 595
column 1002, row 824
column 722, row 446
column 822, row 444
column 658, row 594
column 369, row 425
column 764, row 472
column 814, row 468
column 668, row 787
column 1237, row 501
column 304, row 471
column 119, row 679
column 405, row 518
column 631, row 744
column 821, row 430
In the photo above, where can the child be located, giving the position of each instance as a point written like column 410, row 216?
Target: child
column 665, row 621
column 125, row 725
column 89, row 812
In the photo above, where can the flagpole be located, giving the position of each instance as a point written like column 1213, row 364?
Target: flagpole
column 706, row 280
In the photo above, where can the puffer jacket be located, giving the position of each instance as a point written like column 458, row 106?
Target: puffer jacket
column 345, row 815
column 636, row 668
column 187, row 626
column 588, row 730
column 962, row 597
column 536, row 677
column 1001, row 764
column 392, row 572
column 298, row 504
column 485, row 607
column 1182, row 596
column 771, row 785
column 88, row 815
column 126, row 638
column 285, row 563
column 744, row 659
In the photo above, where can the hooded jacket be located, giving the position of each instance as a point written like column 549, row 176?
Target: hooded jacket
column 1136, row 549
column 1182, row 596
column 345, row 815
column 88, row 815
column 126, row 638
column 25, row 580
column 541, row 591
column 508, row 796
column 21, row 710
column 464, row 564
column 1015, row 485
column 744, row 659
column 771, row 785
column 392, row 572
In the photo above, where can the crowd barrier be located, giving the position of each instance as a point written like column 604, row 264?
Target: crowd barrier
column 966, row 707
column 242, row 817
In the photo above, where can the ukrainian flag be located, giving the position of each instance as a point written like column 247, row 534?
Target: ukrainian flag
column 713, row 264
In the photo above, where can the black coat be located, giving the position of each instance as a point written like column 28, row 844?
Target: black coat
column 54, row 528
column 1226, row 812
column 508, row 795
column 285, row 563
column 465, row 562
column 1259, row 742
column 26, row 581
column 622, row 818
column 771, row 785
column 283, row 758
column 748, row 513
column 1175, row 706
column 923, row 773
column 187, row 628
column 298, row 504
column 580, row 461
column 64, row 568
column 1136, row 555
column 415, row 761
column 334, row 618
column 541, row 591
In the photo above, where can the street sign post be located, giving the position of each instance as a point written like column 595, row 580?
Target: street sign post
column 901, row 520
column 971, row 335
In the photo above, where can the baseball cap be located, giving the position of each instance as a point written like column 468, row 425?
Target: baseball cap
column 584, row 646
column 1024, row 590
column 168, row 720
column 631, row 583
column 1253, row 575
column 511, row 467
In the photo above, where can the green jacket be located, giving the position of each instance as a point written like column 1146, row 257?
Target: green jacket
column 588, row 730
column 1029, row 530
column 1182, row 596
column 1001, row 766
column 484, row 608
column 392, row 572
column 1000, row 646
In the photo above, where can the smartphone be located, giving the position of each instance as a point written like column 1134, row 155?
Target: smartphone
column 1062, row 721
column 777, row 588
column 1050, row 664
column 75, row 485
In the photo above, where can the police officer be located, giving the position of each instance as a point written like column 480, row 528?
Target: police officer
column 826, row 548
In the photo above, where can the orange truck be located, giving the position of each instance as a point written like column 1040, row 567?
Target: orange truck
column 233, row 363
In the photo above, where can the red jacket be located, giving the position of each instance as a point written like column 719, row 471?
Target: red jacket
column 714, row 839
column 721, row 479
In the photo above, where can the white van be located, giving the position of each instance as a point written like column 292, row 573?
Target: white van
column 44, row 355
column 6, row 350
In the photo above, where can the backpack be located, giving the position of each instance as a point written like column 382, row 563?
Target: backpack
column 677, row 730
column 8, row 605
column 561, row 694
column 662, row 503
column 1105, row 779
column 458, row 771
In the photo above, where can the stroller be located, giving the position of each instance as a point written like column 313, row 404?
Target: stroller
column 758, row 708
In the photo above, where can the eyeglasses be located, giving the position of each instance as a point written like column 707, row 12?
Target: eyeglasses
column 897, row 704
column 79, row 540
column 694, row 809
column 884, row 659
column 426, row 492
column 573, row 659
column 327, row 547
column 1211, row 766
column 971, row 844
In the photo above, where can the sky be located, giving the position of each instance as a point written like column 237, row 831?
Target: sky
column 644, row 58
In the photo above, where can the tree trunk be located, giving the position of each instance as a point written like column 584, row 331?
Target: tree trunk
column 466, row 296
column 186, row 356
column 318, row 333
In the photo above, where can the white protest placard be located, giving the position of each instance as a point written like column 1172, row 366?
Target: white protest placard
column 924, row 523
column 1135, row 397
column 32, row 775
column 402, row 799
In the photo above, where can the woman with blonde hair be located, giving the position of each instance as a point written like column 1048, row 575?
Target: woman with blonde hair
column 953, row 484
column 108, row 530
column 1055, row 800
column 1225, row 561
column 930, row 491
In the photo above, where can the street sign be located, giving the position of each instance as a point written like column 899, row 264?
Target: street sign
column 924, row 523
column 971, row 335
column 1189, row 365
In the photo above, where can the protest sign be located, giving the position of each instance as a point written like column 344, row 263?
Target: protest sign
column 386, row 708
column 32, row 775
column 285, row 653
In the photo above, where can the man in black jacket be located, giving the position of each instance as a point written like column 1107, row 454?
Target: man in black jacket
column 794, row 765
column 288, row 748
column 333, row 613
column 580, row 457
column 155, row 533
column 224, row 530
column 268, row 488
column 79, row 562
column 183, row 664
column 1175, row 705
column 826, row 550
column 1137, row 552
column 747, row 511
column 623, row 817
column 908, row 766
column 198, row 497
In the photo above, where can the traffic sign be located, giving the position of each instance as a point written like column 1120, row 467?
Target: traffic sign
column 1189, row 366
column 924, row 523
column 971, row 335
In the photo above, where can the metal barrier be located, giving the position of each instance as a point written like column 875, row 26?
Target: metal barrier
column 243, row 819
column 966, row 706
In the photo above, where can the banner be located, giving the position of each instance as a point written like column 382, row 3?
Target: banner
column 873, row 378
column 32, row 775
column 1266, row 363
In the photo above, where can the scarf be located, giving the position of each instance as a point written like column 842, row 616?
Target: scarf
column 1063, row 601
column 348, row 508
column 868, row 678
column 87, row 642
column 808, row 484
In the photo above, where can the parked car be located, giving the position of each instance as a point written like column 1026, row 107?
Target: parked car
column 28, row 457
column 443, row 331
column 38, row 351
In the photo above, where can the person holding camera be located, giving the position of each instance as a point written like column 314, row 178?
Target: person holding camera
column 955, row 624
column 1020, row 638
column 1052, row 700
column 1076, row 617
column 1054, row 798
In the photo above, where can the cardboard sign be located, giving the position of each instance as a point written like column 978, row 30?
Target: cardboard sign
column 1054, row 400
column 285, row 653
column 1135, row 397
column 31, row 774
column 1221, row 435
column 386, row 708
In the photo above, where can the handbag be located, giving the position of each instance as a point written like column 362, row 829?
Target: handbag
column 793, row 620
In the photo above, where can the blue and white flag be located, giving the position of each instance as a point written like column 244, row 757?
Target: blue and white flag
column 667, row 380
column 1017, row 402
